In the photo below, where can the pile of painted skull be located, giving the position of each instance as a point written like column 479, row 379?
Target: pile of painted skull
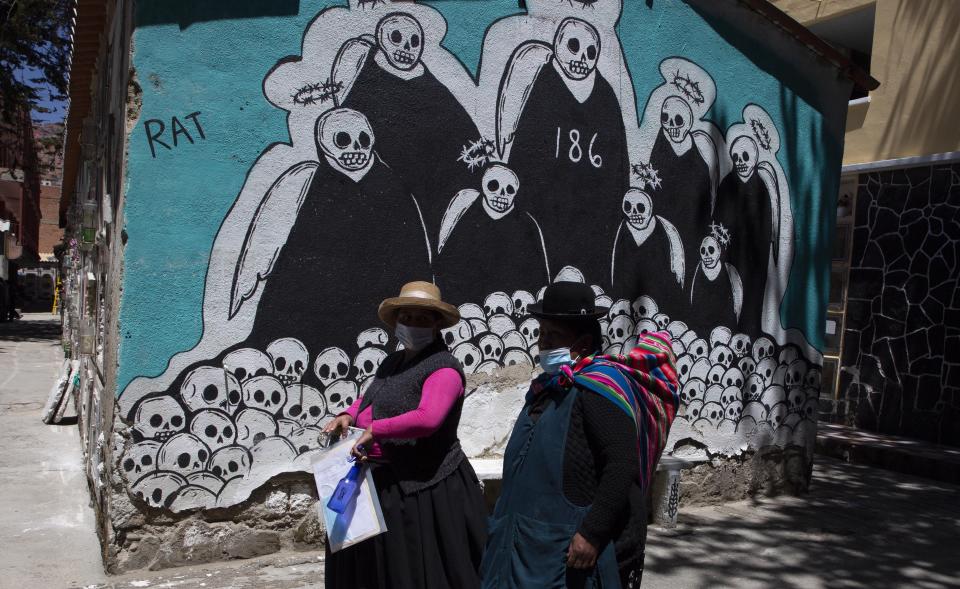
column 257, row 409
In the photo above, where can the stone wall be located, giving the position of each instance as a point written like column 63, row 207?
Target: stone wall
column 900, row 369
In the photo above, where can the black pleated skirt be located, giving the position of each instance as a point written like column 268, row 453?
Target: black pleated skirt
column 435, row 538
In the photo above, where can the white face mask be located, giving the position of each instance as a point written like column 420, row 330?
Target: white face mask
column 414, row 338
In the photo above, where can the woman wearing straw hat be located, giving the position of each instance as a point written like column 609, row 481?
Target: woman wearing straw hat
column 431, row 499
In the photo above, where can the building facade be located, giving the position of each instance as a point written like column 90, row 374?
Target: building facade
column 19, row 205
column 245, row 184
column 895, row 301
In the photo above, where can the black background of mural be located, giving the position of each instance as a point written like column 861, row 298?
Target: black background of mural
column 683, row 198
column 744, row 209
column 575, row 202
column 420, row 129
column 903, row 308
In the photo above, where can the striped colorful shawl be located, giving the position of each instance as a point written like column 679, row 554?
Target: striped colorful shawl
column 643, row 384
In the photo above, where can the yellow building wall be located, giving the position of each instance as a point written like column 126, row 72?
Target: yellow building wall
column 916, row 58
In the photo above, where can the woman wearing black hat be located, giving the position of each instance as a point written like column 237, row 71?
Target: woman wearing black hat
column 572, row 511
column 431, row 499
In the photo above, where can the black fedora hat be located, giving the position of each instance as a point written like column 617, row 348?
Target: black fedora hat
column 567, row 300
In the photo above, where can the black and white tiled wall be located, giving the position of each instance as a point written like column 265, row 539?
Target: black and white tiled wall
column 900, row 364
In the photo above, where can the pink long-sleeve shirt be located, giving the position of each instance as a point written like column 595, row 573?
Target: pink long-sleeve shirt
column 440, row 392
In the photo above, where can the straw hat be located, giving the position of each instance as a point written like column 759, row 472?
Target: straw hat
column 418, row 295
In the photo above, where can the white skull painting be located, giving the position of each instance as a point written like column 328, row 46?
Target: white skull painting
column 676, row 119
column 500, row 187
column 184, row 454
column 517, row 357
column 253, row 425
column 213, row 427
column 638, row 208
column 246, row 363
column 498, row 303
column 230, row 462
column 305, row 405
column 367, row 362
column 521, row 300
column 469, row 356
column 374, row 336
column 332, row 364
column 710, row 252
column 620, row 329
column 159, row 489
column 264, row 392
column 491, row 346
column 514, row 339
column 645, row 307
column 159, row 418
column 762, row 348
column 208, row 387
column 140, row 459
column 305, row 439
column 340, row 395
column 721, row 354
column 290, row 359
column 576, row 48
column 400, row 38
column 460, row 332
column 530, row 329
column 501, row 323
column 345, row 137
column 720, row 335
column 744, row 154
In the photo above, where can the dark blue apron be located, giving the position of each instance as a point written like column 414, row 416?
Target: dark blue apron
column 533, row 522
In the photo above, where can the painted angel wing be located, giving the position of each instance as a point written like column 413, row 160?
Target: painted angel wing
column 676, row 249
column 736, row 285
column 455, row 210
column 708, row 151
column 515, row 87
column 769, row 177
column 349, row 62
column 268, row 231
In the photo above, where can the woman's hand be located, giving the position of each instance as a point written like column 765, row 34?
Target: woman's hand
column 364, row 440
column 581, row 554
column 338, row 426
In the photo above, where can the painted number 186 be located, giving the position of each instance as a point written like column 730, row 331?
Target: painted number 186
column 575, row 152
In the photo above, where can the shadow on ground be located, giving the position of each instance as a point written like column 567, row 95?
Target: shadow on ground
column 858, row 527
column 32, row 328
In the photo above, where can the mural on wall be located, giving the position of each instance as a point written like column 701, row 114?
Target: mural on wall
column 403, row 165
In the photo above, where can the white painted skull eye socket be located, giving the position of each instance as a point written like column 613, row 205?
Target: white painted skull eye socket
column 396, row 36
column 493, row 186
column 342, row 139
column 364, row 139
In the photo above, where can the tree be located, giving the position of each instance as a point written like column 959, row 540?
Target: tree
column 34, row 37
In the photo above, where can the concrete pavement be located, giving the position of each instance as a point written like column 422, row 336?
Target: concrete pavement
column 858, row 527
column 46, row 521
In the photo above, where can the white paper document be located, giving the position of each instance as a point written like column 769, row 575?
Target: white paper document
column 363, row 519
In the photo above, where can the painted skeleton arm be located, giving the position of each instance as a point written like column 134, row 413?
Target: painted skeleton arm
column 708, row 151
column 677, row 263
column 515, row 87
column 268, row 231
column 349, row 62
column 455, row 210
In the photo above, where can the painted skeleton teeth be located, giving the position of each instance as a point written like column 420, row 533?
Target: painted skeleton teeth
column 402, row 56
column 579, row 67
column 353, row 158
column 636, row 219
column 675, row 132
column 501, row 203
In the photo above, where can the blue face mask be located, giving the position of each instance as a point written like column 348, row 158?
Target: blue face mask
column 552, row 360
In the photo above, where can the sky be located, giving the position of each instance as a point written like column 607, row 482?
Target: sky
column 58, row 107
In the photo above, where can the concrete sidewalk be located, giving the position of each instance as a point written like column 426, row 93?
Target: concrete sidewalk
column 46, row 522
column 858, row 527
column 904, row 455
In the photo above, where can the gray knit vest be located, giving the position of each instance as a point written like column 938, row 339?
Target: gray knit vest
column 418, row 463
